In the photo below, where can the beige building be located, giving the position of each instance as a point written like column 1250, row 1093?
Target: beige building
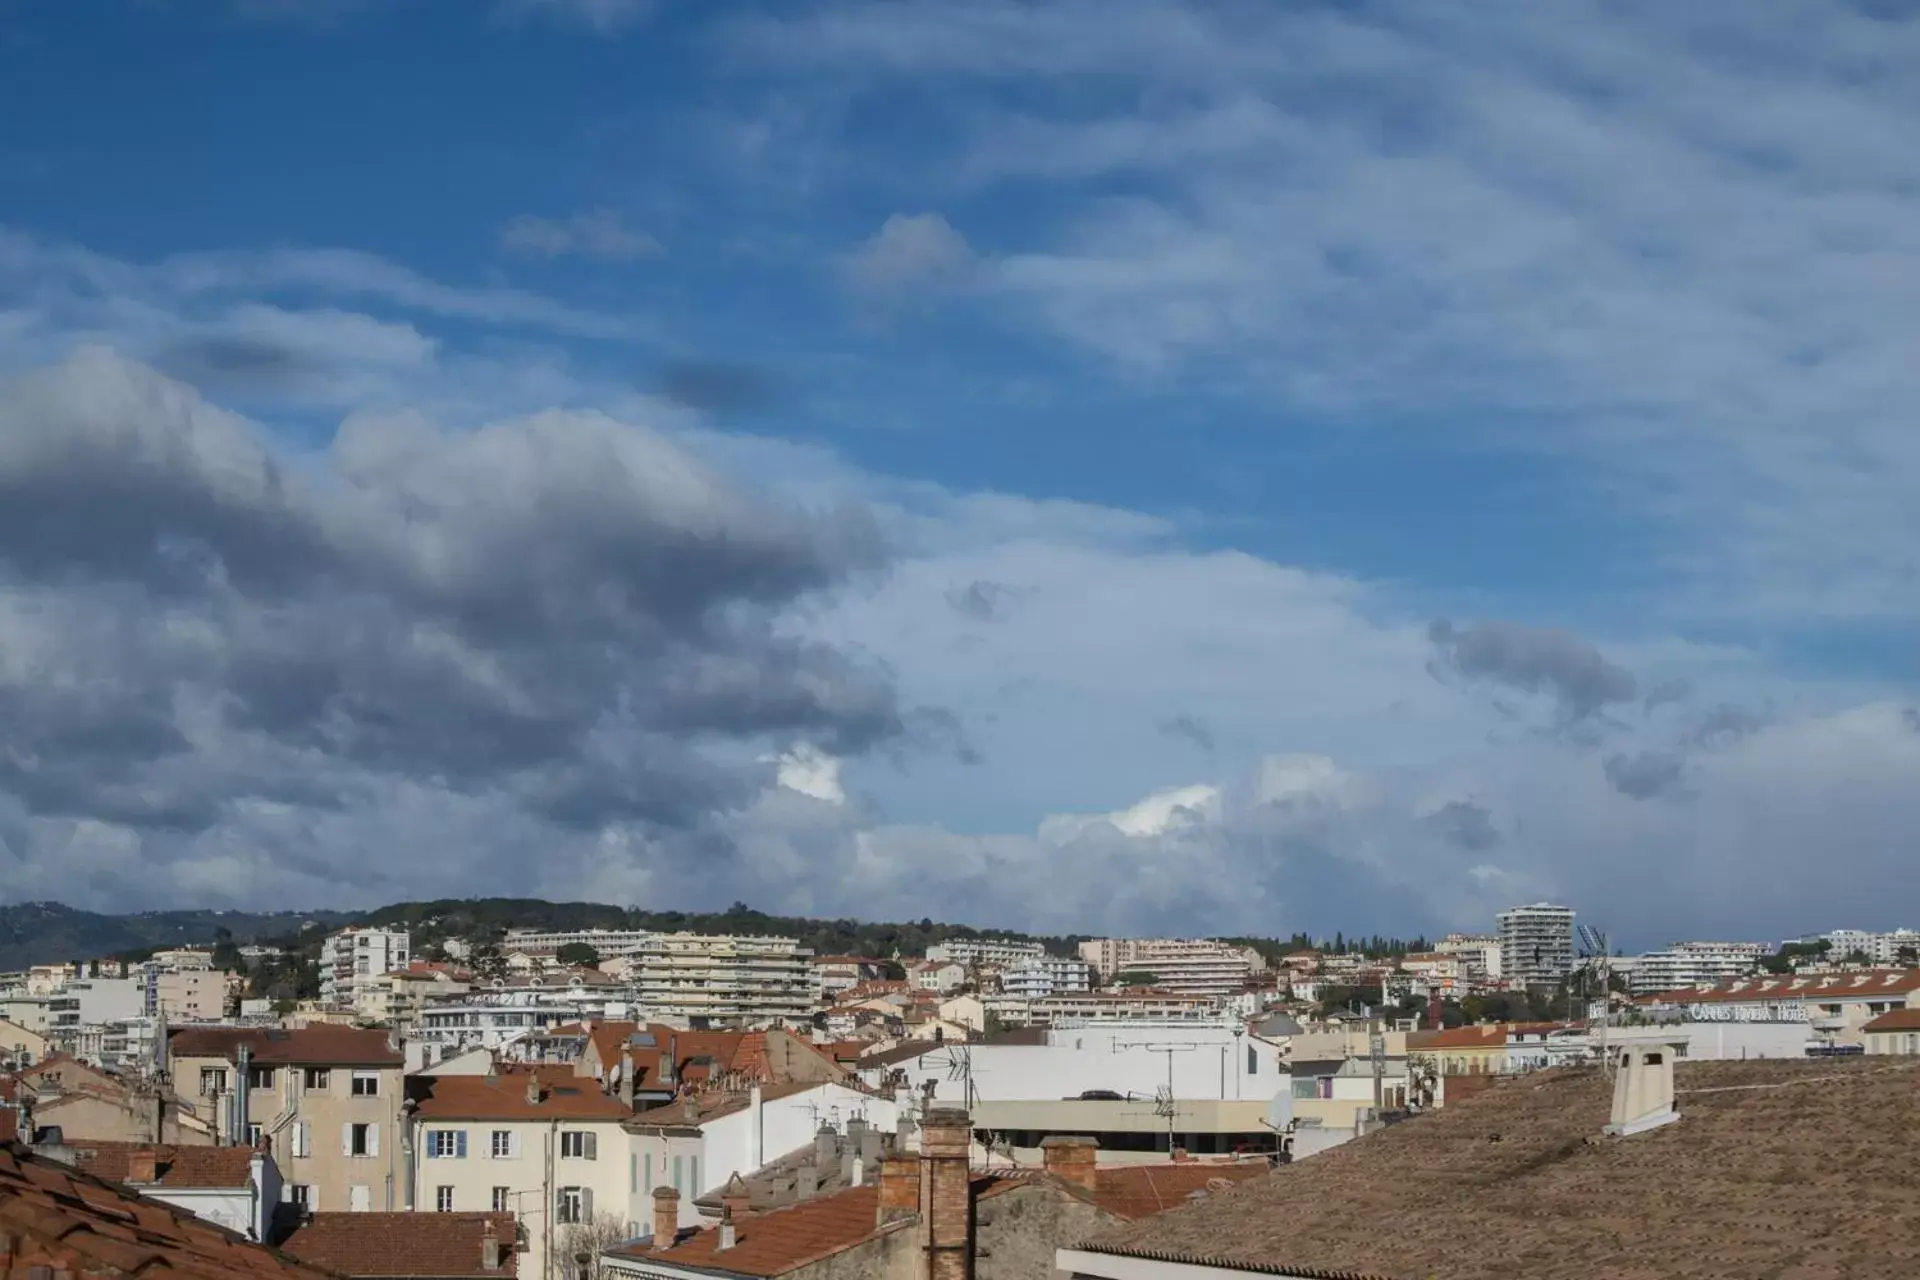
column 397, row 999
column 541, row 1143
column 1896, row 1033
column 18, row 1045
column 192, row 995
column 711, row 981
column 1187, row 966
column 326, row 1099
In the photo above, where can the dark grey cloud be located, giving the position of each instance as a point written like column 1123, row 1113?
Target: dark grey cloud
column 1647, row 775
column 238, row 362
column 1190, row 727
column 719, row 387
column 1538, row 660
column 982, row 601
column 565, row 616
column 1466, row 825
column 1725, row 724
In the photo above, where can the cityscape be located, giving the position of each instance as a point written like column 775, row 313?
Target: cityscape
column 959, row 640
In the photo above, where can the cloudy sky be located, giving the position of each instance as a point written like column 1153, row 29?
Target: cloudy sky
column 1097, row 465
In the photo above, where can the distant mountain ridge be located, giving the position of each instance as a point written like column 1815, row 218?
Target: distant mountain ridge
column 51, row 932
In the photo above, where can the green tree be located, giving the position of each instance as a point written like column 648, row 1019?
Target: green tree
column 1135, row 978
column 577, row 953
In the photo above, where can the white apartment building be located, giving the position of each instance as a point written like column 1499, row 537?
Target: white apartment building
column 92, row 1001
column 354, row 959
column 179, row 958
column 987, row 953
column 705, row 981
column 1479, row 955
column 1536, row 943
column 1102, row 1006
column 607, row 942
column 489, row 1019
column 1879, row 948
column 943, row 976
column 1693, row 964
column 1188, row 966
column 1047, row 976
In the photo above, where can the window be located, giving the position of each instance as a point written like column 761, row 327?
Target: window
column 443, row 1199
column 300, row 1196
column 366, row 1084
column 574, row 1204
column 360, row 1139
column 253, row 1135
column 676, row 1176
column 506, row 1144
column 502, row 1200
column 212, row 1080
column 302, row 1140
column 578, row 1144
column 1253, row 1061
column 319, row 1080
column 259, row 1077
column 447, row 1144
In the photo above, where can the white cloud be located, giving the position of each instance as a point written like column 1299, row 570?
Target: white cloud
column 599, row 233
column 910, row 253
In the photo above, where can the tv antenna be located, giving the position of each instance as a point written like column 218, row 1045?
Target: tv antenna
column 1594, row 952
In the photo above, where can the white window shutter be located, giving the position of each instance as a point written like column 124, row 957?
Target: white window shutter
column 586, row 1204
column 346, row 1139
column 513, row 1143
column 593, row 1146
column 373, row 1139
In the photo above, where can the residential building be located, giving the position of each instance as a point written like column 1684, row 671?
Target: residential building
column 91, row 1001
column 1693, row 964
column 1536, row 944
column 46, row 979
column 1832, row 1006
column 1462, row 1051
column 1185, row 966
column 538, row 1142
column 702, row 981
column 1897, row 947
column 354, row 959
column 233, row 1187
column 177, row 958
column 546, row 942
column 387, row 1246
column 925, row 1216
column 327, row 1101
column 1573, row 1175
column 985, row 953
column 127, row 1044
column 1047, row 976
column 943, row 977
column 495, row 1016
column 1479, row 956
column 61, row 1094
column 834, row 974
column 30, row 1013
column 399, row 998
column 1141, row 1004
column 61, row 1221
column 191, row 995
column 19, row 1046
column 1896, row 1033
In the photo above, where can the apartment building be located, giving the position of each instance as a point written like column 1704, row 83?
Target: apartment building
column 354, row 959
column 985, row 953
column 1047, row 976
column 87, row 1002
column 834, row 974
column 941, row 976
column 1536, row 943
column 1693, row 964
column 398, row 999
column 1134, row 1005
column 191, row 995
column 540, row 1143
column 327, row 1101
column 1898, row 946
column 545, row 942
column 1186, row 966
column 702, row 980
column 1479, row 955
column 182, row 958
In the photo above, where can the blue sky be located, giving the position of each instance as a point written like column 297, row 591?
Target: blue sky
column 1148, row 384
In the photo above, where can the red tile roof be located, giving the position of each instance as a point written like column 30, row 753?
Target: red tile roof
column 64, row 1220
column 1475, row 1037
column 712, row 1105
column 1895, row 1020
column 1139, row 1191
column 503, row 1096
column 1817, row 987
column 780, row 1240
column 402, row 1244
column 317, row 1045
column 175, row 1166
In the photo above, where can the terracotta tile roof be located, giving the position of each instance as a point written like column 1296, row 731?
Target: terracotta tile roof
column 1475, row 1037
column 1895, row 1020
column 711, row 1105
column 780, row 1240
column 1843, row 988
column 402, row 1244
column 69, row 1222
column 175, row 1166
column 503, row 1096
column 316, row 1045
column 1519, row 1181
column 1140, row 1191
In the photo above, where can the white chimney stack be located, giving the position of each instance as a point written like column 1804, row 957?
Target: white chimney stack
column 1642, row 1088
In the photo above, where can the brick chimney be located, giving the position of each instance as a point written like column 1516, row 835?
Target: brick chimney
column 946, row 1196
column 533, row 1091
column 666, row 1217
column 1072, row 1160
column 899, row 1187
column 733, row 1198
column 492, row 1254
column 143, row 1165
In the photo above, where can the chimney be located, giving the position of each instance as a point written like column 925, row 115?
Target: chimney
column 826, row 1146
column 733, row 1199
column 689, row 1108
column 899, row 1187
column 727, row 1234
column 1180, row 1155
column 666, row 1217
column 1072, row 1160
column 143, row 1165
column 806, row 1183
column 857, row 1173
column 870, row 1146
column 756, row 1128
column 626, row 1077
column 491, row 1254
column 533, row 1091
column 1642, row 1089
column 946, row 1196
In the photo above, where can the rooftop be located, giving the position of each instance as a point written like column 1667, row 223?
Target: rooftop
column 698, row 1108
column 173, row 1166
column 1142, row 1190
column 1774, row 1168
column 316, row 1045
column 502, row 1095
column 403, row 1244
column 1895, row 1020
column 776, row 1242
column 1856, row 984
column 72, row 1222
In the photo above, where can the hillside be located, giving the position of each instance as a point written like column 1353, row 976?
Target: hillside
column 48, row 932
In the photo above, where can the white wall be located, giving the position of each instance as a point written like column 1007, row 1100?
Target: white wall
column 1707, row 1041
column 1207, row 1063
column 786, row 1125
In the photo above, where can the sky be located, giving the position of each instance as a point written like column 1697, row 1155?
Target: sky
column 1089, row 466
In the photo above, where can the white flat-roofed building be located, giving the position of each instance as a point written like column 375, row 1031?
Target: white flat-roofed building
column 1536, row 943
column 545, row 942
column 1479, row 955
column 1692, row 964
column 1897, row 946
column 1047, row 976
column 706, row 980
column 1188, row 966
column 992, row 953
column 355, row 959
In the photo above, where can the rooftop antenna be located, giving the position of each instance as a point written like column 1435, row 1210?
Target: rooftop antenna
column 1593, row 949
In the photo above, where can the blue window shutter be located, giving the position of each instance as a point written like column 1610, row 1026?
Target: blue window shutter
column 460, row 1145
